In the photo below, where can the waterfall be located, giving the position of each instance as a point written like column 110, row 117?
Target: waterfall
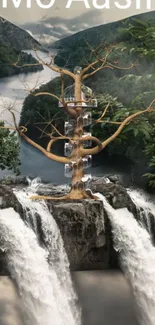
column 145, row 209
column 137, row 257
column 41, row 273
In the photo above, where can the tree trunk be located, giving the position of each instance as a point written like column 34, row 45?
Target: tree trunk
column 77, row 188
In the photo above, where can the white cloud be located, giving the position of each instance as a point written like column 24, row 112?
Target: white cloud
column 46, row 39
column 28, row 31
column 85, row 25
column 48, row 25
column 63, row 27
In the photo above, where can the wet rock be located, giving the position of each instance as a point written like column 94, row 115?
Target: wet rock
column 14, row 180
column 114, row 179
column 116, row 194
column 82, row 225
column 53, row 190
column 3, row 264
column 8, row 199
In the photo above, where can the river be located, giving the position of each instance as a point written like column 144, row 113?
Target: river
column 13, row 90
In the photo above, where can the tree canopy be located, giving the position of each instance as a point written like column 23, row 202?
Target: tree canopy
column 9, row 150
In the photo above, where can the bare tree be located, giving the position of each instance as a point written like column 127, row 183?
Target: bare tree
column 75, row 109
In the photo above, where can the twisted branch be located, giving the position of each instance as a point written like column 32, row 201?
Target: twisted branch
column 97, row 149
column 54, row 67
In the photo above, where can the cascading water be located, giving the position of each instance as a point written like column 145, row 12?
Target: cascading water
column 145, row 208
column 137, row 257
column 41, row 273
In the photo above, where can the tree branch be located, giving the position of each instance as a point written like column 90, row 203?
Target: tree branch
column 22, row 130
column 95, row 71
column 26, row 65
column 48, row 154
column 109, row 122
column 120, row 68
column 91, row 65
column 62, row 87
column 54, row 67
column 103, row 114
column 97, row 149
column 86, row 138
column 8, row 128
column 52, row 141
column 45, row 93
column 69, row 110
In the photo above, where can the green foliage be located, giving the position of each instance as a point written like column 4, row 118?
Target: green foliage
column 142, row 35
column 134, row 137
column 8, row 56
column 9, row 150
column 37, row 110
column 151, row 177
column 150, row 153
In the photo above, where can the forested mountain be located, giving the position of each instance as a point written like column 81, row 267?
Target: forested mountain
column 12, row 41
column 8, row 56
column 75, row 48
column 15, row 37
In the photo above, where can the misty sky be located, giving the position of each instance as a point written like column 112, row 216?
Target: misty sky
column 23, row 15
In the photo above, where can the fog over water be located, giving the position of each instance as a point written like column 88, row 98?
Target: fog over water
column 106, row 298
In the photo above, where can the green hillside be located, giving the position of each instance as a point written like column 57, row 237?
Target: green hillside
column 11, row 55
column 12, row 41
column 75, row 48
column 15, row 37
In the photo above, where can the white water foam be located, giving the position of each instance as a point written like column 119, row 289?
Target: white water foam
column 41, row 273
column 28, row 265
column 145, row 208
column 57, row 256
column 137, row 256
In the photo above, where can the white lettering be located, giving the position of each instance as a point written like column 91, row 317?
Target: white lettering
column 39, row 2
column 15, row 2
column 106, row 5
column 126, row 6
column 148, row 5
column 69, row 3
column 28, row 3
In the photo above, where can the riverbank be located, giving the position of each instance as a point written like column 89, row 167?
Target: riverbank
column 14, row 89
column 25, row 63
